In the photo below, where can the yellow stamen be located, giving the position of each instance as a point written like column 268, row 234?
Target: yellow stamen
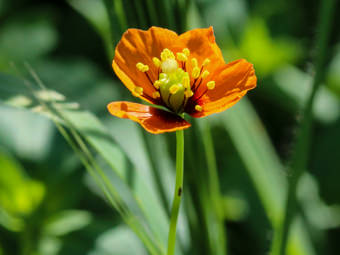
column 186, row 82
column 138, row 91
column 195, row 72
column 174, row 88
column 211, row 84
column 194, row 62
column 166, row 54
column 181, row 56
column 206, row 62
column 198, row 108
column 156, row 94
column 141, row 67
column 156, row 62
column 186, row 51
column 188, row 93
column 205, row 74
column 157, row 84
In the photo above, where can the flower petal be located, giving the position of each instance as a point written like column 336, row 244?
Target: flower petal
column 202, row 45
column 153, row 120
column 141, row 46
column 232, row 80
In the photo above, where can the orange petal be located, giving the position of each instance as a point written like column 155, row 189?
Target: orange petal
column 233, row 80
column 202, row 45
column 153, row 120
column 141, row 46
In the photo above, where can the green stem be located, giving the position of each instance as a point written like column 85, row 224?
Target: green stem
column 300, row 157
column 178, row 191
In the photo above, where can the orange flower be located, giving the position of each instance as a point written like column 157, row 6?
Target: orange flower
column 182, row 73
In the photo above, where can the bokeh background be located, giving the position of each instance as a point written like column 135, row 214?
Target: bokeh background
column 50, row 205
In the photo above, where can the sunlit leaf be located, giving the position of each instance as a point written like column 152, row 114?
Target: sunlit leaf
column 67, row 221
column 19, row 195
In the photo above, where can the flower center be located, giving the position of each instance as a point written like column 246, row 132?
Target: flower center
column 174, row 86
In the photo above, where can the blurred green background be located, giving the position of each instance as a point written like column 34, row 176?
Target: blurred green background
column 50, row 205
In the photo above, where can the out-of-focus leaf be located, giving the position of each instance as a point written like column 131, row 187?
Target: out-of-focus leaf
column 333, row 79
column 26, row 134
column 95, row 13
column 67, row 221
column 264, row 167
column 295, row 86
column 80, row 81
column 118, row 241
column 225, row 16
column 267, row 54
column 19, row 195
column 236, row 208
column 319, row 214
column 49, row 246
column 9, row 222
column 23, row 39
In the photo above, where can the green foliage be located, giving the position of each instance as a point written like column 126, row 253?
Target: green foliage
column 266, row 53
column 19, row 195
column 57, row 197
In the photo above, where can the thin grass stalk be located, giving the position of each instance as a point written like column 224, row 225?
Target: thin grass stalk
column 214, row 188
column 96, row 172
column 199, row 205
column 178, row 191
column 156, row 174
column 300, row 157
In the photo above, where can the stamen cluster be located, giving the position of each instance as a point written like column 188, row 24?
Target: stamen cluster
column 175, row 86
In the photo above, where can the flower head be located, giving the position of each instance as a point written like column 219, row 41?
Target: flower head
column 183, row 73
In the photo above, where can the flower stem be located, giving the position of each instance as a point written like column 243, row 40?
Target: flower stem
column 178, row 191
column 300, row 157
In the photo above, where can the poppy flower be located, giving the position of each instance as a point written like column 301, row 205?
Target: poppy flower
column 179, row 74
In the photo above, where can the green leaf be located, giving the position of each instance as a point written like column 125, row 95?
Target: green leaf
column 23, row 39
column 264, row 167
column 295, row 86
column 19, row 195
column 65, row 222
column 118, row 241
column 96, row 15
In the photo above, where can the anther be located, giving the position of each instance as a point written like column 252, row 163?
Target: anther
column 195, row 72
column 186, row 51
column 186, row 82
column 181, row 57
column 141, row 67
column 205, row 74
column 156, row 95
column 210, row 84
column 174, row 88
column 206, row 62
column 157, row 84
column 188, row 93
column 166, row 54
column 138, row 91
column 156, row 62
column 194, row 62
column 198, row 108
